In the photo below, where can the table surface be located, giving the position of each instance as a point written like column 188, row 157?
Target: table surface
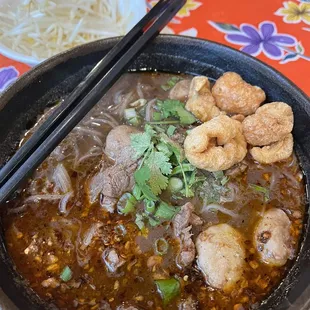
column 275, row 31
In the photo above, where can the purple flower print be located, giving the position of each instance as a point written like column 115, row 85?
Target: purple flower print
column 265, row 39
column 7, row 76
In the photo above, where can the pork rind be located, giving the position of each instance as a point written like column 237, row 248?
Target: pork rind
column 180, row 90
column 270, row 123
column 216, row 145
column 233, row 95
column 200, row 100
column 274, row 152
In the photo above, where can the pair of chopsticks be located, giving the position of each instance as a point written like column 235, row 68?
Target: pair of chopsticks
column 84, row 97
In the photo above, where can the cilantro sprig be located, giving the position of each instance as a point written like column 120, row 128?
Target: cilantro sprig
column 174, row 109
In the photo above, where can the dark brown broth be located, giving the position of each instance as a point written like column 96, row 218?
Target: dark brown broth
column 41, row 226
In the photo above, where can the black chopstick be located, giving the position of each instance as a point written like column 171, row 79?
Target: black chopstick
column 79, row 92
column 113, row 65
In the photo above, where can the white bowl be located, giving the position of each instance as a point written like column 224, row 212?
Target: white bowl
column 138, row 7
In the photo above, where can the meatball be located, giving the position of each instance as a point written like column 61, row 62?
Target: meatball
column 272, row 238
column 180, row 90
column 200, row 100
column 233, row 95
column 271, row 123
column 221, row 256
column 118, row 144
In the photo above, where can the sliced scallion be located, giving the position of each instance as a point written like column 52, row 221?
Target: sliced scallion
column 149, row 206
column 126, row 203
column 161, row 246
column 168, row 289
column 66, row 274
column 175, row 184
column 164, row 211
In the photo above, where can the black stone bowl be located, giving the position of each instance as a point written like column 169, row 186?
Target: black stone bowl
column 56, row 77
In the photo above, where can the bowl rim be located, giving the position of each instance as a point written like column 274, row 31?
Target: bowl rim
column 79, row 50
column 103, row 44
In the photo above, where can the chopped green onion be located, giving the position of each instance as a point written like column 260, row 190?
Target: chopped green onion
column 66, row 274
column 135, row 121
column 149, row 206
column 170, row 131
column 126, row 203
column 164, row 211
column 132, row 117
column 157, row 116
column 139, row 221
column 168, row 289
column 175, row 184
column 262, row 190
column 130, row 113
column 170, row 83
column 161, row 246
column 186, row 168
column 153, row 222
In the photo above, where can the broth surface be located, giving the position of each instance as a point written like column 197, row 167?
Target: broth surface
column 46, row 231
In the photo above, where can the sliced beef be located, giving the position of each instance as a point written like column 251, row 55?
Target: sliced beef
column 118, row 144
column 112, row 260
column 111, row 183
column 117, row 180
column 182, row 225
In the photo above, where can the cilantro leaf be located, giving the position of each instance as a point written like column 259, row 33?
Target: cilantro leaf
column 176, row 108
column 141, row 142
column 141, row 176
column 173, row 146
column 170, row 131
column 160, row 161
column 159, row 164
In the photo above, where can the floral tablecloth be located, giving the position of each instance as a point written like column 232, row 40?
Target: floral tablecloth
column 275, row 31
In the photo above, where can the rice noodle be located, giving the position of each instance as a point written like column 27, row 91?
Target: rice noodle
column 18, row 209
column 148, row 110
column 63, row 203
column 62, row 179
column 44, row 28
column 37, row 198
column 140, row 91
column 216, row 207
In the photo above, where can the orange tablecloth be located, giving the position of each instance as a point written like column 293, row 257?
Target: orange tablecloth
column 275, row 31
